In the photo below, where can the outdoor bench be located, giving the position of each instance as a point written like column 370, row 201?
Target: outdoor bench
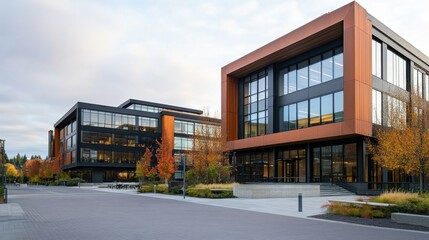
column 359, row 203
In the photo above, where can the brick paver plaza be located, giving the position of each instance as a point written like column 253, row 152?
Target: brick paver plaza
column 73, row 213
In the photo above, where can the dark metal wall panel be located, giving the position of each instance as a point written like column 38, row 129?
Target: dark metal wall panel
column 311, row 92
column 400, row 49
column 240, row 108
column 271, row 97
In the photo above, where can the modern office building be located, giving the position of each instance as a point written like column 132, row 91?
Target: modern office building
column 102, row 143
column 302, row 107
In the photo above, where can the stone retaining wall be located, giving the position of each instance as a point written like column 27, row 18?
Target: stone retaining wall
column 276, row 190
column 412, row 219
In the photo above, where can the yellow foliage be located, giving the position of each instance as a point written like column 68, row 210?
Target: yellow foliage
column 11, row 171
column 395, row 197
column 404, row 145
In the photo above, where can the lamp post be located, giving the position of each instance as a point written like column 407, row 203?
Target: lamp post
column 184, row 175
column 3, row 174
column 234, row 162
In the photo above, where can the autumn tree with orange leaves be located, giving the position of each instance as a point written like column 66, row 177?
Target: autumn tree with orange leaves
column 45, row 171
column 143, row 166
column 55, row 164
column 403, row 143
column 166, row 163
column 32, row 167
column 209, row 162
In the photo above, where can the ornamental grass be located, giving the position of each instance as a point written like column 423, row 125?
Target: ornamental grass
column 395, row 197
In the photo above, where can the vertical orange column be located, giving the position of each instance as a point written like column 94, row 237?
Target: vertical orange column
column 229, row 107
column 56, row 142
column 168, row 129
column 57, row 148
column 357, row 71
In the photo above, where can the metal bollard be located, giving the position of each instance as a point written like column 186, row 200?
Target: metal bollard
column 299, row 202
column 154, row 188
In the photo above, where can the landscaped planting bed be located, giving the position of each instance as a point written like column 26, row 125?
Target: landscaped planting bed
column 389, row 202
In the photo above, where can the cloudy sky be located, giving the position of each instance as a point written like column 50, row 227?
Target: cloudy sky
column 55, row 53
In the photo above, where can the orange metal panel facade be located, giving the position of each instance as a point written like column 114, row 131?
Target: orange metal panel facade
column 168, row 129
column 230, row 105
column 57, row 142
column 350, row 21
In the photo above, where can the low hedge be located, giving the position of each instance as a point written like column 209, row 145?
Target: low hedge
column 210, row 193
column 70, row 182
column 160, row 188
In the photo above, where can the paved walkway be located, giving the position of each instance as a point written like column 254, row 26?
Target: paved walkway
column 52, row 213
column 280, row 206
column 10, row 212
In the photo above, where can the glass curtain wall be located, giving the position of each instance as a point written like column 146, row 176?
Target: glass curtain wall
column 68, row 140
column 376, row 58
column 118, row 175
column 334, row 163
column 255, row 104
column 145, row 108
column 312, row 71
column 326, row 164
column 120, row 121
column 90, row 155
column 376, row 107
column 373, row 172
column 103, row 138
column 396, row 69
column 395, row 112
column 255, row 167
column 420, row 84
column 313, row 112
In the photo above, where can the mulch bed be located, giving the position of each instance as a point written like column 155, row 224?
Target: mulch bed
column 377, row 222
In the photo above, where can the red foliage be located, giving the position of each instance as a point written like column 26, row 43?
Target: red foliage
column 143, row 167
column 32, row 167
column 166, row 164
column 55, row 165
column 45, row 170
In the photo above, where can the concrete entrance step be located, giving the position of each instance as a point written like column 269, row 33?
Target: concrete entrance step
column 333, row 190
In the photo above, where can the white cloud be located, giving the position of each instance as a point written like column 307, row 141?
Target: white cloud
column 55, row 53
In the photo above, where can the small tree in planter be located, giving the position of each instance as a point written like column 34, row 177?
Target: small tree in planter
column 143, row 167
column 166, row 163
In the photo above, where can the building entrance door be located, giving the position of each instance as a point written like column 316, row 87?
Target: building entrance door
column 287, row 170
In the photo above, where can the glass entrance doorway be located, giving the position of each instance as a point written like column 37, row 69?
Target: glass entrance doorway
column 291, row 166
column 287, row 170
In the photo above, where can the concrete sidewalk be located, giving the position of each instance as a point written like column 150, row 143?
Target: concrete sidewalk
column 279, row 206
column 11, row 211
